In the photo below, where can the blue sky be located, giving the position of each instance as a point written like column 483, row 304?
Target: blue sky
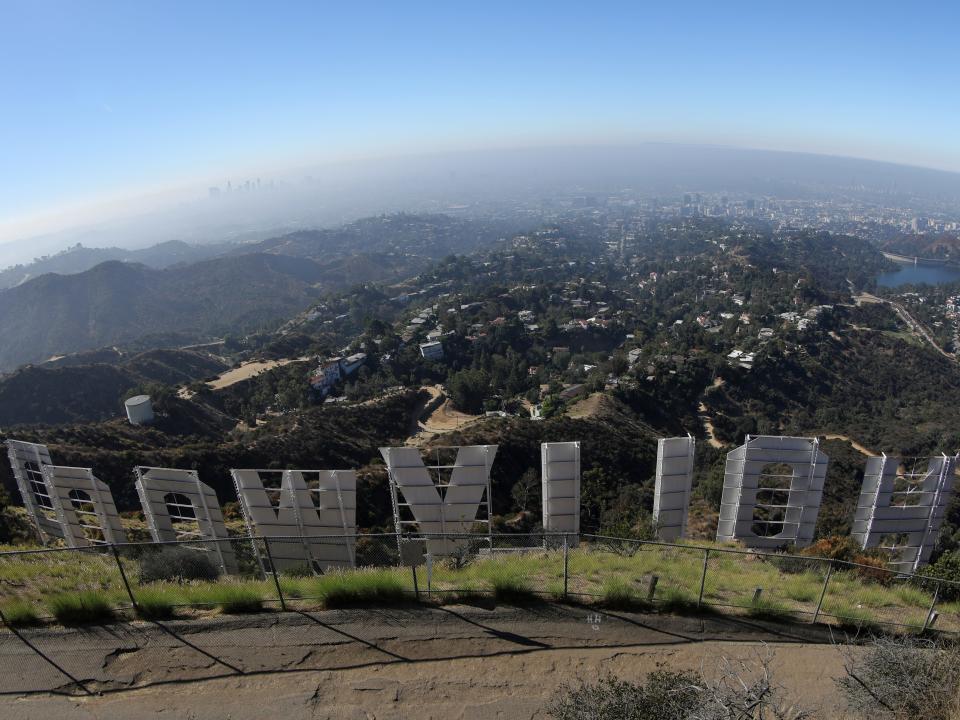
column 103, row 98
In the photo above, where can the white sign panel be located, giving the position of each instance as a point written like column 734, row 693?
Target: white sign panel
column 178, row 506
column 902, row 508
column 449, row 504
column 772, row 487
column 302, row 504
column 560, row 477
column 27, row 461
column 674, row 480
column 84, row 507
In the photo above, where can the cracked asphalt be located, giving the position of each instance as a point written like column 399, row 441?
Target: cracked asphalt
column 453, row 662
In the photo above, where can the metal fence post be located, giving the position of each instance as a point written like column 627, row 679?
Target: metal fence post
column 123, row 576
column 927, row 620
column 703, row 577
column 273, row 569
column 823, row 592
column 566, row 566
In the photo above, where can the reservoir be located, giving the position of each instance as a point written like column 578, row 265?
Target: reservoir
column 916, row 274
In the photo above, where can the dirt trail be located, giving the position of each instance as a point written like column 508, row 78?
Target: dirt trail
column 918, row 330
column 247, row 370
column 856, row 446
column 441, row 419
column 706, row 419
column 455, row 662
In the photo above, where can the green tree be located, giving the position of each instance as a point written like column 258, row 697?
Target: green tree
column 468, row 389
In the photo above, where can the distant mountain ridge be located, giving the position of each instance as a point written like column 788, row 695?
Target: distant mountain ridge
column 118, row 302
column 245, row 288
column 78, row 259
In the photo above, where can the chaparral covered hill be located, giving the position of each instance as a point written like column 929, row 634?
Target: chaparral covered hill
column 704, row 326
column 65, row 393
column 246, row 288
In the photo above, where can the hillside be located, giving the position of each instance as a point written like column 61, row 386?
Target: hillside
column 871, row 385
column 71, row 394
column 117, row 302
column 53, row 395
column 432, row 236
column 161, row 295
column 78, row 259
column 945, row 246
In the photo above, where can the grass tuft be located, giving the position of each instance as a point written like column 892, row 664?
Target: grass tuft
column 511, row 588
column 555, row 591
column 620, row 595
column 20, row 613
column 675, row 600
column 768, row 609
column 358, row 588
column 850, row 617
column 80, row 608
column 156, row 603
column 232, row 598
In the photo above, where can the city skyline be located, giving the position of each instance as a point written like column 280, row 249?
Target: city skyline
column 112, row 101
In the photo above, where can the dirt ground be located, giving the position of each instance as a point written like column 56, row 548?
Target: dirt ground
column 442, row 419
column 245, row 371
column 588, row 407
column 458, row 662
column 863, row 450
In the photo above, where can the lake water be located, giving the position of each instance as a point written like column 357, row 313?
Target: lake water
column 916, row 274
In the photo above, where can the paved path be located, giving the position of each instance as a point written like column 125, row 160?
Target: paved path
column 458, row 662
column 915, row 326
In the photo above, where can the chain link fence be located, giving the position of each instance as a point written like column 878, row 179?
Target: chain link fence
column 59, row 607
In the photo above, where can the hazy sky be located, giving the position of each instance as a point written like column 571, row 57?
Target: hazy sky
column 102, row 98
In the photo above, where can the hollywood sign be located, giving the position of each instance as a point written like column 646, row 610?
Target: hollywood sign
column 772, row 490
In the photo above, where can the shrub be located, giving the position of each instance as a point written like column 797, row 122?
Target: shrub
column 175, row 563
column 903, row 678
column 947, row 567
column 739, row 690
column 303, row 570
column 872, row 569
column 80, row 608
column 625, row 538
column 664, row 696
column 836, row 547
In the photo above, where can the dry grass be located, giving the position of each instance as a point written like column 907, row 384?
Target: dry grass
column 612, row 576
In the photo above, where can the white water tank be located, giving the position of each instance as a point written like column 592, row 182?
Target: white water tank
column 139, row 410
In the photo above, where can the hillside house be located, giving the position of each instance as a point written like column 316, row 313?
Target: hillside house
column 432, row 350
